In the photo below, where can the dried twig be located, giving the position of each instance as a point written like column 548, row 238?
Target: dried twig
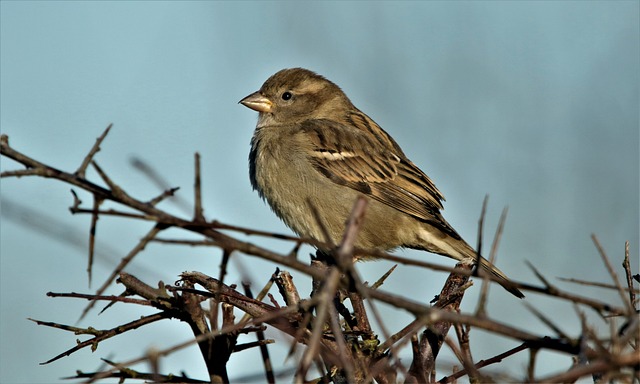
column 612, row 272
column 198, row 215
column 123, row 263
column 80, row 172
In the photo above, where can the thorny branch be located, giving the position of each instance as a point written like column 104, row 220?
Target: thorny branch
column 342, row 345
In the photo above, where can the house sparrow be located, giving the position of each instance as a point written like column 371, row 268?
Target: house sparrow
column 312, row 149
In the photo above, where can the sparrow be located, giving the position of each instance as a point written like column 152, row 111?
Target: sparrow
column 313, row 153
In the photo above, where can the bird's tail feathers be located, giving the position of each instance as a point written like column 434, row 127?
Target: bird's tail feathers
column 456, row 248
column 500, row 277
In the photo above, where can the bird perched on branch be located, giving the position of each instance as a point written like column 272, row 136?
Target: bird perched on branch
column 313, row 150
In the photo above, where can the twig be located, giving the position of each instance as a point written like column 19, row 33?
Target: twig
column 628, row 274
column 462, row 333
column 483, row 363
column 612, row 272
column 161, row 183
column 324, row 297
column 344, row 253
column 92, row 235
column 102, row 335
column 483, row 211
column 595, row 366
column 552, row 290
column 198, row 215
column 346, row 356
column 264, row 351
column 546, row 321
column 123, row 263
column 384, row 277
column 113, row 187
column 170, row 192
column 267, row 318
column 594, row 284
column 287, row 288
column 484, row 288
column 127, row 373
column 93, row 297
column 80, row 172
column 323, row 228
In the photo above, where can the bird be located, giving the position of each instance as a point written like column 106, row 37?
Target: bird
column 313, row 153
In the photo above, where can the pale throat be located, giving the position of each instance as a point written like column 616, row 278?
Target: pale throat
column 265, row 119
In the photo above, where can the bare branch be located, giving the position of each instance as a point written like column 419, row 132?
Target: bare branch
column 100, row 335
column 484, row 289
column 198, row 216
column 612, row 272
column 596, row 366
column 123, row 263
column 264, row 351
column 80, row 172
column 92, row 235
column 628, row 274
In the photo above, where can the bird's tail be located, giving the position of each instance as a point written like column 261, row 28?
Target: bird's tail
column 499, row 277
column 449, row 243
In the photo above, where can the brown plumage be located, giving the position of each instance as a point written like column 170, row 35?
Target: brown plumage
column 313, row 148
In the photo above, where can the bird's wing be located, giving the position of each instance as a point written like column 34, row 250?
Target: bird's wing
column 357, row 153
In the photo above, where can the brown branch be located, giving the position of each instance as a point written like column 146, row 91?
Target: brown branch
column 261, row 295
column 483, row 212
column 92, row 297
column 462, row 333
column 127, row 373
column 483, row 363
column 612, row 272
column 324, row 297
column 628, row 274
column 551, row 290
column 484, row 288
column 264, row 351
column 279, row 318
column 92, row 236
column 323, row 228
column 123, row 263
column 80, row 172
column 595, row 366
column 354, row 368
column 113, row 212
column 344, row 253
column 547, row 321
column 198, row 215
column 260, row 344
column 595, row 284
column 198, row 339
column 431, row 340
column 135, row 286
column 165, row 194
column 148, row 171
column 102, row 335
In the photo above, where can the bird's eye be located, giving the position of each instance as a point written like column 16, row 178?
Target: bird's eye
column 287, row 96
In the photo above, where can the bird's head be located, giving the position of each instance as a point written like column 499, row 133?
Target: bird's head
column 295, row 95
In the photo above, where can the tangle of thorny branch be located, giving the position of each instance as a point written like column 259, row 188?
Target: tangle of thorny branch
column 339, row 344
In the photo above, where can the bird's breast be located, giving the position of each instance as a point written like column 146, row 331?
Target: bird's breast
column 282, row 175
column 281, row 171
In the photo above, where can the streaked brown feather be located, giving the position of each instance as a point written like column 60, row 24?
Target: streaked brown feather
column 391, row 178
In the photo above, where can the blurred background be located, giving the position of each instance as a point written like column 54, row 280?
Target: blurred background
column 532, row 103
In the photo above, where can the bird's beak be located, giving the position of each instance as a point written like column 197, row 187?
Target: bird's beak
column 257, row 102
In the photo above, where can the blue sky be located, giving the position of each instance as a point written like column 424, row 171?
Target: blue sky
column 532, row 103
